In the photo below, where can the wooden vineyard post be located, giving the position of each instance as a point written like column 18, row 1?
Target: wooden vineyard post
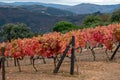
column 62, row 58
column 3, row 63
column 114, row 53
column 15, row 62
column 72, row 56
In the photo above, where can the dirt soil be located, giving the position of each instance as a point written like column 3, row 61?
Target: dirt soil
column 101, row 69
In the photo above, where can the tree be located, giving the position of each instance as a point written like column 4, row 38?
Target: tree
column 92, row 21
column 64, row 26
column 105, row 19
column 14, row 31
column 115, row 17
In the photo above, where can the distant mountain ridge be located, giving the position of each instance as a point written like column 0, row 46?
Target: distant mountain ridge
column 84, row 8
column 87, row 8
column 59, row 6
column 36, row 7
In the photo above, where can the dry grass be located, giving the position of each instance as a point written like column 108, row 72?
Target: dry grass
column 101, row 69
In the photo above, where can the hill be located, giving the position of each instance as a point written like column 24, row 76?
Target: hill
column 84, row 8
column 92, row 8
column 59, row 6
column 41, row 17
column 47, row 10
column 37, row 21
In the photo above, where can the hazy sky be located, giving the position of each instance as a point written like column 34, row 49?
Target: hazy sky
column 69, row 2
